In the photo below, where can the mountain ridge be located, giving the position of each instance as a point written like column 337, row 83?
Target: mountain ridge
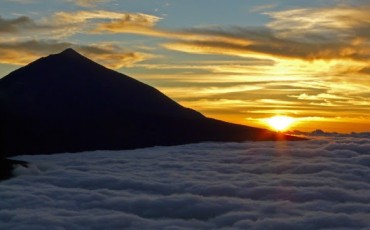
column 66, row 102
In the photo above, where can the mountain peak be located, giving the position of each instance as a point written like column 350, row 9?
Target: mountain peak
column 69, row 53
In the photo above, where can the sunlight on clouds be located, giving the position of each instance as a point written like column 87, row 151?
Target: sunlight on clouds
column 191, row 77
column 298, row 22
column 181, row 92
column 13, row 57
column 348, row 87
column 208, row 48
column 123, row 26
column 321, row 96
column 277, row 102
column 119, row 60
column 228, row 103
column 126, row 18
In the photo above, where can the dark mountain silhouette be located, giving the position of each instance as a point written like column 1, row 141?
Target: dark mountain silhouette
column 68, row 103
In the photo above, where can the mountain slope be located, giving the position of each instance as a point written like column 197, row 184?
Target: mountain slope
column 68, row 103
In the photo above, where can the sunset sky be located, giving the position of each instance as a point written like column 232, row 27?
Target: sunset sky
column 239, row 61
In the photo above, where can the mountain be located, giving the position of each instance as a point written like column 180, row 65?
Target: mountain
column 67, row 103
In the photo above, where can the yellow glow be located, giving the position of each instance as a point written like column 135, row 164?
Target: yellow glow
column 280, row 123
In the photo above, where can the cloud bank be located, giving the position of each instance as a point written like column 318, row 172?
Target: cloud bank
column 318, row 184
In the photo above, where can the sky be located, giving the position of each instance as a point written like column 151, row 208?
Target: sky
column 318, row 184
column 239, row 61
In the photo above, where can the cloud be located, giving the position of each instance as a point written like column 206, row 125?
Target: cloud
column 113, row 56
column 321, row 23
column 20, row 24
column 334, row 33
column 321, row 96
column 319, row 132
column 83, row 16
column 88, row 22
column 87, row 3
column 316, row 184
column 264, row 43
column 65, row 24
column 129, row 20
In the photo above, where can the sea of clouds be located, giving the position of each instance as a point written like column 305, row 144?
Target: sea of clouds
column 323, row 183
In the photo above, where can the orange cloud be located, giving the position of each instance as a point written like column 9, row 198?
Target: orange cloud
column 84, row 16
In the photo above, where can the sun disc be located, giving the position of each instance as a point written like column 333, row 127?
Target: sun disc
column 280, row 123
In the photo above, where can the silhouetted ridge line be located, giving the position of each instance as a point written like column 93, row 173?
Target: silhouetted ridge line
column 68, row 103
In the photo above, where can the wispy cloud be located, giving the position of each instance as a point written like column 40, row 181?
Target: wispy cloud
column 318, row 33
column 122, row 18
column 87, row 3
column 322, row 23
column 93, row 21
column 65, row 24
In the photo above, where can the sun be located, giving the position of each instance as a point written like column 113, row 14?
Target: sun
column 280, row 123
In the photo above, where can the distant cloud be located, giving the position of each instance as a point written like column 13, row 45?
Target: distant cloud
column 321, row 133
column 318, row 184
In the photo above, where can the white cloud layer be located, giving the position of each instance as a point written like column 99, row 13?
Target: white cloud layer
column 318, row 184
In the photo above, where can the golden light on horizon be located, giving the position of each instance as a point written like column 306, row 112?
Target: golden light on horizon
column 280, row 123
